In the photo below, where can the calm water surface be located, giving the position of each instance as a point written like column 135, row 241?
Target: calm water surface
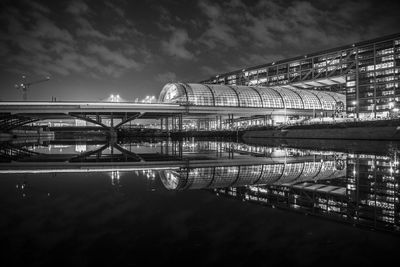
column 193, row 202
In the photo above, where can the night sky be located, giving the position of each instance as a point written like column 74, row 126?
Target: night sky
column 91, row 49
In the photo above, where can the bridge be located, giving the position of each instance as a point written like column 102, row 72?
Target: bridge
column 213, row 104
column 15, row 114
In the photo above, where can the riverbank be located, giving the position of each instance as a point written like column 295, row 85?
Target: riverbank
column 357, row 130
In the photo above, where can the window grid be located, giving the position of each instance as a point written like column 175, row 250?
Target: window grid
column 270, row 98
column 311, row 169
column 310, row 100
column 248, row 175
column 328, row 102
column 201, row 95
column 336, row 96
column 271, row 173
column 223, row 176
column 291, row 172
column 224, row 95
column 291, row 99
column 199, row 178
column 248, row 97
column 327, row 170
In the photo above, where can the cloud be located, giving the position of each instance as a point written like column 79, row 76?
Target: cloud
column 39, row 7
column 112, row 56
column 77, row 8
column 207, row 70
column 175, row 46
column 86, row 29
column 49, row 46
column 219, row 29
column 166, row 77
column 46, row 29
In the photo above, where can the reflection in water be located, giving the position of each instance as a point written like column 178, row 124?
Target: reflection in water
column 264, row 174
column 360, row 188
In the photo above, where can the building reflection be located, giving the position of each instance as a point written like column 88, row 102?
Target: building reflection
column 359, row 189
column 262, row 174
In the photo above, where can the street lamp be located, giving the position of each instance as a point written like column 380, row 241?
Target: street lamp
column 114, row 98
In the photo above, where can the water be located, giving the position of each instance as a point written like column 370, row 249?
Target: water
column 194, row 202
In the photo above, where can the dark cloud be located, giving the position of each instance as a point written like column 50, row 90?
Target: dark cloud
column 218, row 28
column 131, row 44
column 77, row 8
column 50, row 46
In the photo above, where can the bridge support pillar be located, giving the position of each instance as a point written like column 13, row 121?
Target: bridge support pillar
column 112, row 134
column 180, row 122
column 112, row 120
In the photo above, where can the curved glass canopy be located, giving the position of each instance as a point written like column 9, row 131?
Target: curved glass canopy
column 247, row 96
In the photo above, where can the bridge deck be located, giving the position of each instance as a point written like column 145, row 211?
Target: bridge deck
column 147, row 110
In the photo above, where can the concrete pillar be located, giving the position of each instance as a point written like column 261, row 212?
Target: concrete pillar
column 180, row 122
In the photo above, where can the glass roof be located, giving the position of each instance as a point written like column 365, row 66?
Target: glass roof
column 248, row 96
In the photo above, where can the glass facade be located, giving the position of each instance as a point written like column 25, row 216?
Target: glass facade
column 249, row 97
column 366, row 72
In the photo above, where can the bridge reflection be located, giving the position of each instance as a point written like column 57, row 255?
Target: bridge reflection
column 55, row 156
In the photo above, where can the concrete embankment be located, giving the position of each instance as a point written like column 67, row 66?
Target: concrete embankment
column 373, row 147
column 350, row 133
